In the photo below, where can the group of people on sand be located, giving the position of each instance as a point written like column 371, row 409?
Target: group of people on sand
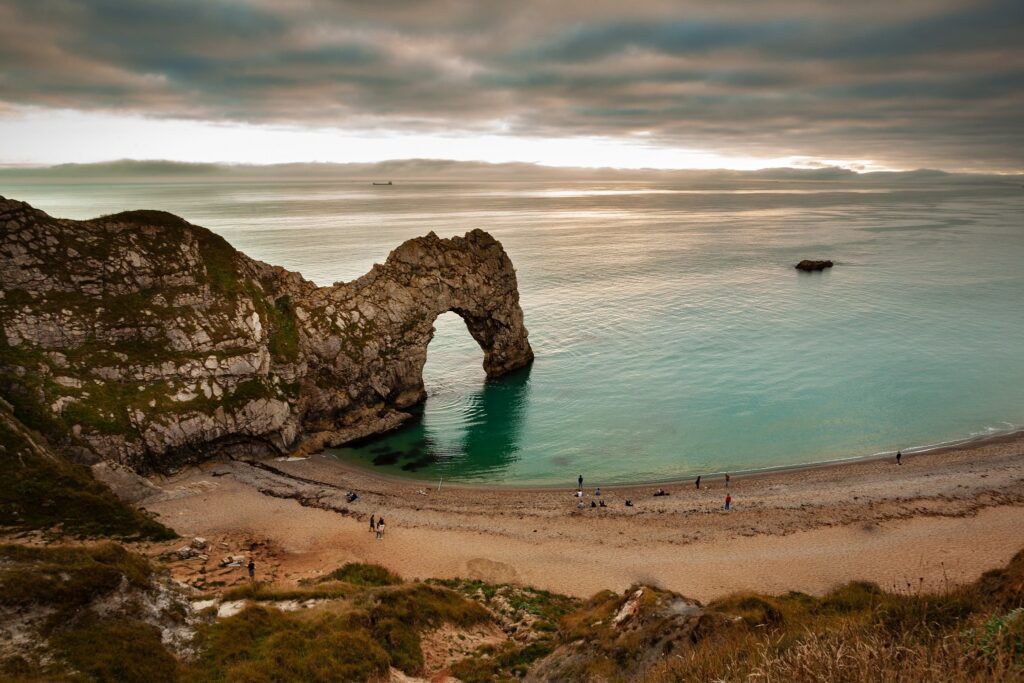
column 377, row 526
column 727, row 506
column 657, row 494
column 597, row 494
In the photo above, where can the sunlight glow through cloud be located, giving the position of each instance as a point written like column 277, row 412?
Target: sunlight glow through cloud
column 81, row 137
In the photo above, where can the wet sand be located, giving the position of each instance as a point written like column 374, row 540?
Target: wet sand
column 944, row 516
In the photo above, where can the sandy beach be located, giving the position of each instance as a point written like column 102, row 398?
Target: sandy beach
column 941, row 517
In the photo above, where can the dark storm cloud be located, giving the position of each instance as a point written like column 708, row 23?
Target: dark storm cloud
column 913, row 83
column 995, row 23
column 592, row 41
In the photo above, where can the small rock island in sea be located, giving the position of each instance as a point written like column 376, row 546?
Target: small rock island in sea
column 807, row 265
column 147, row 342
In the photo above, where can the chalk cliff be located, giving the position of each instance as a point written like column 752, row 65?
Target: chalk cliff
column 143, row 340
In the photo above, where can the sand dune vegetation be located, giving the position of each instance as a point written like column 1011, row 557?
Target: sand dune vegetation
column 103, row 613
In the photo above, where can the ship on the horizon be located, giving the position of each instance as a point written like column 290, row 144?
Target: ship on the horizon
column 387, row 183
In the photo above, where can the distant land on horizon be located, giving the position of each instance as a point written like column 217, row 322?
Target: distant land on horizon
column 421, row 169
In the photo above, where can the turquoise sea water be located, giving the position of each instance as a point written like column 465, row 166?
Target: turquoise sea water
column 673, row 336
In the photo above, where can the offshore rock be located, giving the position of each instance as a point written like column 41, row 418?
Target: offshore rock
column 808, row 265
column 146, row 341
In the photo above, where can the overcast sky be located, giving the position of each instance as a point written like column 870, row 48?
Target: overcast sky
column 718, row 83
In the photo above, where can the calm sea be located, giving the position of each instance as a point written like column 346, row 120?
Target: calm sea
column 673, row 336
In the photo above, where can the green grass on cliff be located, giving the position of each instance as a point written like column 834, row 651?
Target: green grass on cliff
column 66, row 577
column 360, row 574
column 153, row 217
column 265, row 645
column 536, row 611
column 60, row 585
column 368, row 627
column 102, row 407
column 857, row 633
column 40, row 490
column 283, row 336
column 132, row 651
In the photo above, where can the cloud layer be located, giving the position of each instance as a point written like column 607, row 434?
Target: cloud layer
column 913, row 83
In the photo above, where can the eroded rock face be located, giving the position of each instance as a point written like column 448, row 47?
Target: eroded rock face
column 623, row 637
column 142, row 339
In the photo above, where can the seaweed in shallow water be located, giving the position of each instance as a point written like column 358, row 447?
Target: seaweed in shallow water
column 418, row 463
column 388, row 458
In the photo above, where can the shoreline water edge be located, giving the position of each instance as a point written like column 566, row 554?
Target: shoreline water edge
column 942, row 516
column 1010, row 435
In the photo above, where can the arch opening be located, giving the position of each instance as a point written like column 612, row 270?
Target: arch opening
column 467, row 424
column 454, row 359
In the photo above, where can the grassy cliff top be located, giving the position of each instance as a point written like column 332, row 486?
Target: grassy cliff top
column 43, row 491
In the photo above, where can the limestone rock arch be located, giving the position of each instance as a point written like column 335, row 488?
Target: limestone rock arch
column 389, row 313
column 144, row 340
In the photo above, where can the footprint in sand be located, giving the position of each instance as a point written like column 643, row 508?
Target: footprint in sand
column 490, row 571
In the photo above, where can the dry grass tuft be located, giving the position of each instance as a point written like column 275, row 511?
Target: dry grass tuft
column 859, row 633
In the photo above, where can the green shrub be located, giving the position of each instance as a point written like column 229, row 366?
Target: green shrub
column 856, row 596
column 755, row 610
column 507, row 662
column 402, row 643
column 261, row 592
column 283, row 335
column 923, row 614
column 264, row 645
column 361, row 574
column 396, row 616
column 65, row 577
column 349, row 641
column 421, row 605
column 41, row 490
column 1002, row 633
column 118, row 649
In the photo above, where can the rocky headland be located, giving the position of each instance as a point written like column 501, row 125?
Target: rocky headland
column 142, row 342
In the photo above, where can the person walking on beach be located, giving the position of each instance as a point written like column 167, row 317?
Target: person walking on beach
column 697, row 483
column 899, row 457
column 728, row 502
column 380, row 528
column 373, row 524
column 252, row 569
column 726, row 480
column 580, row 482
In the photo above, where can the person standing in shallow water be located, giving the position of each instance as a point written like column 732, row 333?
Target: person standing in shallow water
column 580, row 483
column 697, row 483
column 899, row 457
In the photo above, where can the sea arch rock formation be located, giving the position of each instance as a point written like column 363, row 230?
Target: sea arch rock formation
column 397, row 303
column 143, row 340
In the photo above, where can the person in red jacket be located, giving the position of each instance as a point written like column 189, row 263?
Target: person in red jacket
column 728, row 502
